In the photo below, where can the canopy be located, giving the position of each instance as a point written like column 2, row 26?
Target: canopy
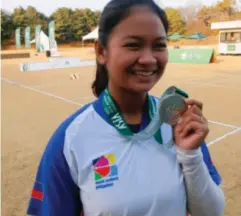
column 176, row 36
column 92, row 35
column 196, row 36
column 226, row 25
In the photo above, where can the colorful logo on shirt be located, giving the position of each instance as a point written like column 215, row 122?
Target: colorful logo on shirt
column 105, row 171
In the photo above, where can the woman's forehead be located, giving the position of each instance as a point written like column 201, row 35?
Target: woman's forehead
column 140, row 22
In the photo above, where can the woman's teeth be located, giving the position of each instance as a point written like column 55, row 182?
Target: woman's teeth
column 144, row 73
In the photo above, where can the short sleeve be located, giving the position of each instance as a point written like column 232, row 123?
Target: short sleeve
column 54, row 192
column 211, row 167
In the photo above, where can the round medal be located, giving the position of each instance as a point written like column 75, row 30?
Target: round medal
column 171, row 109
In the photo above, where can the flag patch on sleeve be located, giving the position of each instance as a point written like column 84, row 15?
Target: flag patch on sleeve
column 37, row 192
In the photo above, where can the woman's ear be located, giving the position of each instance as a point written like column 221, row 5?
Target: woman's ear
column 100, row 53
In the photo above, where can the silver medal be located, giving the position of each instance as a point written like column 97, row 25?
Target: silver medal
column 169, row 108
column 172, row 108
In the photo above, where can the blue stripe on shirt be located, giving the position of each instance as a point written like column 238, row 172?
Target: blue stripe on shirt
column 61, row 195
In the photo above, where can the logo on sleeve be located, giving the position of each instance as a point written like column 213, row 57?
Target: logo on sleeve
column 36, row 200
column 37, row 192
column 105, row 171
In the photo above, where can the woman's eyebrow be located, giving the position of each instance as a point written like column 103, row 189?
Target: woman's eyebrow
column 133, row 37
column 162, row 38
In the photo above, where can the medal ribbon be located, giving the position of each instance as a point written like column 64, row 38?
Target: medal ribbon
column 117, row 119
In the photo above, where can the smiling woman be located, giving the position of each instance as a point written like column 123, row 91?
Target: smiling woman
column 92, row 163
column 138, row 52
column 135, row 59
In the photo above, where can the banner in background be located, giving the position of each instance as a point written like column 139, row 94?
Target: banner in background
column 231, row 47
column 18, row 38
column 56, row 63
column 192, row 55
column 27, row 37
column 52, row 42
column 37, row 37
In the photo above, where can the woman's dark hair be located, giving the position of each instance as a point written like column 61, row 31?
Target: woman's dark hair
column 113, row 13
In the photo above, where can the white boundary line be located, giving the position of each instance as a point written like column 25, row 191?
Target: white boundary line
column 72, row 82
column 223, row 137
column 222, row 124
column 84, row 98
column 237, row 129
column 213, row 85
column 195, row 80
column 42, row 92
column 204, row 78
column 224, row 74
column 47, row 85
column 207, row 83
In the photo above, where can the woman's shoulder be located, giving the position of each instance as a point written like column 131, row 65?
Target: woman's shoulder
column 79, row 114
column 57, row 140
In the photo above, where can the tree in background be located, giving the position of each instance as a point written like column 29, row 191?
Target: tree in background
column 84, row 20
column 223, row 11
column 19, row 17
column 72, row 25
column 189, row 13
column 176, row 23
column 237, row 15
column 34, row 18
column 63, row 18
column 7, row 28
column 192, row 21
column 29, row 17
column 198, row 18
column 226, row 7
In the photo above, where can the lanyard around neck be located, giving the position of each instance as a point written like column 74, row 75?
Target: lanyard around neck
column 117, row 119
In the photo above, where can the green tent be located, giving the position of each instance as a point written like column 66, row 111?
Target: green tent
column 196, row 36
column 176, row 36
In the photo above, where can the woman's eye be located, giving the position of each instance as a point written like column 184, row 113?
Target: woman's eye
column 160, row 46
column 132, row 45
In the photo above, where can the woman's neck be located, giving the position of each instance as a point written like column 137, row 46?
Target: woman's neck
column 130, row 104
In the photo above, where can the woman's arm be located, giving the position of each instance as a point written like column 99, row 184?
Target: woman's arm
column 204, row 196
column 54, row 192
column 210, row 165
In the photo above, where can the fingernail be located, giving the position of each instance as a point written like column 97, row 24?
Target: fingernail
column 179, row 121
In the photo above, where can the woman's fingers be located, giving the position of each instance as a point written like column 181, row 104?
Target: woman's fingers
column 192, row 116
column 192, row 102
column 195, row 109
column 193, row 126
column 187, row 119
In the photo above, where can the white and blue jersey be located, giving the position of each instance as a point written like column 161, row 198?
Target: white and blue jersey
column 89, row 168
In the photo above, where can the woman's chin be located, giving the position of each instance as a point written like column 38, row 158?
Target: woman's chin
column 141, row 88
column 141, row 84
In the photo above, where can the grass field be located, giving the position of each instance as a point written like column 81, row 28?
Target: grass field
column 35, row 103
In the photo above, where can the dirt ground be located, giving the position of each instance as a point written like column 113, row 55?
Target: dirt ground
column 35, row 103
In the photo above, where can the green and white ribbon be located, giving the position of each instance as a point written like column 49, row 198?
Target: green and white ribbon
column 166, row 110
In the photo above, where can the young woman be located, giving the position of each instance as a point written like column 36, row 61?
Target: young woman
column 92, row 165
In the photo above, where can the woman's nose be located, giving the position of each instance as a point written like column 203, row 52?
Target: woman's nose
column 147, row 57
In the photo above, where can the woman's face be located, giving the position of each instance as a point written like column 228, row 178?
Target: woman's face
column 136, row 54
